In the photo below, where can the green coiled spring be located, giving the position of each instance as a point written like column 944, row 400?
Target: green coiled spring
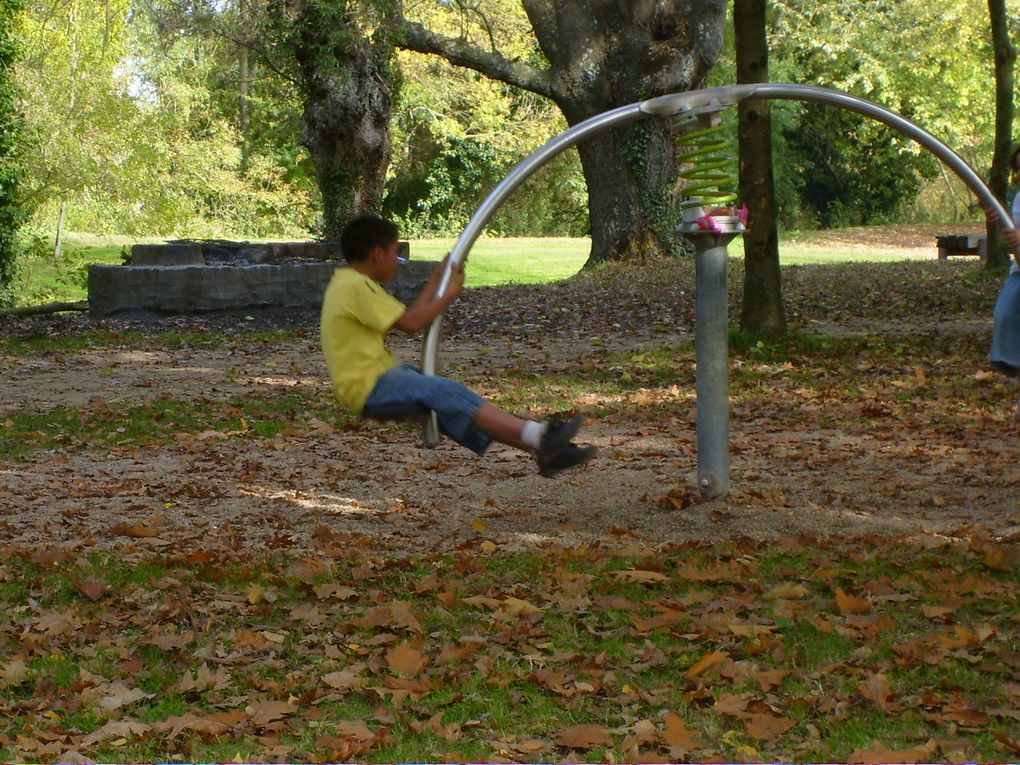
column 711, row 177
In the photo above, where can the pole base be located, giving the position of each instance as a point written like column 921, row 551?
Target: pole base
column 712, row 486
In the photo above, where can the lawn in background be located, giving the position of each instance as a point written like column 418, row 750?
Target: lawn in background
column 491, row 261
column 505, row 261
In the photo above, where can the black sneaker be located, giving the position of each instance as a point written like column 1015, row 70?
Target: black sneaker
column 569, row 456
column 557, row 435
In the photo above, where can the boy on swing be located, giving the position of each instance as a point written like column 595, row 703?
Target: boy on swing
column 357, row 314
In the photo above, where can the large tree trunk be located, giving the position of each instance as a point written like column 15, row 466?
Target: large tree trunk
column 348, row 81
column 630, row 173
column 998, row 181
column 604, row 54
column 762, row 311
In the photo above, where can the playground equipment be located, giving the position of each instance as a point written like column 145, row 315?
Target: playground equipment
column 712, row 171
column 710, row 240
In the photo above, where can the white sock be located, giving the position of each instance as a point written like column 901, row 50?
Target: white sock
column 532, row 433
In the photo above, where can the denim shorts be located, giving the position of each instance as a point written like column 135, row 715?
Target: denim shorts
column 404, row 391
column 1005, row 353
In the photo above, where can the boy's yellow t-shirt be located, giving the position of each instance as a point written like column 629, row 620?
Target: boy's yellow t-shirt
column 356, row 313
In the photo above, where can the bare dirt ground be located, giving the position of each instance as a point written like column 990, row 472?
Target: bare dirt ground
column 876, row 462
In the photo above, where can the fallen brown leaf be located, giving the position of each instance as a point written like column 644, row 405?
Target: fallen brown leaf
column 585, row 736
column 639, row 576
column 346, row 679
column 116, row 729
column 851, row 604
column 877, row 690
column 767, row 727
column 705, row 663
column 267, row 711
column 676, row 735
column 878, row 753
column 406, row 660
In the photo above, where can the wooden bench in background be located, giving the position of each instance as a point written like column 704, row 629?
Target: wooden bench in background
column 961, row 244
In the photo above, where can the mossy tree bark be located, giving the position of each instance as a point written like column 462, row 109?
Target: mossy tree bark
column 350, row 80
column 12, row 211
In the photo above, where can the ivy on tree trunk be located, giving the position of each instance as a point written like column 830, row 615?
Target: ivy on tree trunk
column 998, row 181
column 350, row 79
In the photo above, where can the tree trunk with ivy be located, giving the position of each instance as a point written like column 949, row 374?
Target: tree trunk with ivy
column 349, row 79
column 603, row 54
column 998, row 181
column 12, row 213
column 762, row 309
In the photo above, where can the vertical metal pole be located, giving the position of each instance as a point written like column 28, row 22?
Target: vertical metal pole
column 712, row 353
column 712, row 341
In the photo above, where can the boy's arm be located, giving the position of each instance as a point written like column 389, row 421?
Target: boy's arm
column 1011, row 236
column 427, row 306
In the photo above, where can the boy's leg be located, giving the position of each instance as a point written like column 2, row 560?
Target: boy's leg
column 502, row 426
column 404, row 391
column 549, row 442
column 473, row 422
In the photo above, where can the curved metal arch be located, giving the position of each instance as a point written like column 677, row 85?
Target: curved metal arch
column 680, row 105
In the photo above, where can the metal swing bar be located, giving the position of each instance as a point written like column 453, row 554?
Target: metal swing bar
column 682, row 106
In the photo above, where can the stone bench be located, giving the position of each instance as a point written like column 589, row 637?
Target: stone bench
column 187, row 252
column 194, row 288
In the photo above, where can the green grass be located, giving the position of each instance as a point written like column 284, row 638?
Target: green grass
column 491, row 261
column 40, row 344
column 506, row 261
column 44, row 278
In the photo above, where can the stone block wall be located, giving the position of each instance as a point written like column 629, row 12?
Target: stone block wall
column 196, row 288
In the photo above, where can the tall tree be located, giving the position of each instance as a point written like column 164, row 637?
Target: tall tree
column 72, row 99
column 998, row 181
column 762, row 311
column 11, row 135
column 350, row 79
column 599, row 55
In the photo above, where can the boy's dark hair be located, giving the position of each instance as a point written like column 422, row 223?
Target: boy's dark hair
column 364, row 234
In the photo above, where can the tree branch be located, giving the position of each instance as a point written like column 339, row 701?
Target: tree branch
column 261, row 52
column 37, row 310
column 467, row 9
column 413, row 36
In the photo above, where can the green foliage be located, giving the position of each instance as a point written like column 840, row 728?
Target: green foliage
column 864, row 177
column 136, row 128
column 907, row 55
column 133, row 113
column 439, row 198
column 12, row 171
column 44, row 278
column 457, row 134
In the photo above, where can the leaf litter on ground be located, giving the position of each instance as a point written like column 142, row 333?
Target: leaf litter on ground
column 149, row 638
column 851, row 650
